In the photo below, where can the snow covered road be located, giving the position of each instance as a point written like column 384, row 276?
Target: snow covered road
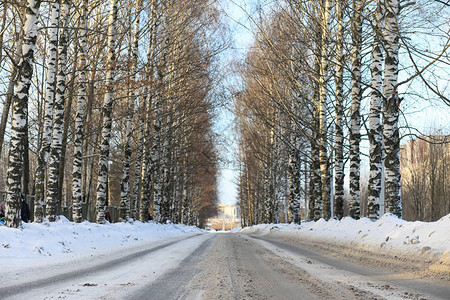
column 239, row 266
column 109, row 276
column 222, row 266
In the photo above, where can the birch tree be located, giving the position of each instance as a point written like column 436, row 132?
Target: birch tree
column 20, row 115
column 107, row 115
column 80, row 115
column 322, row 102
column 125, row 208
column 147, row 157
column 355, row 129
column 294, row 172
column 48, row 113
column 58, row 117
column 375, row 126
column 339, row 107
column 391, row 105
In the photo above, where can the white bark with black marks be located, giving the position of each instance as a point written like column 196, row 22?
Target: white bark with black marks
column 20, row 115
column 294, row 176
column 48, row 114
column 58, row 116
column 147, row 172
column 79, row 117
column 375, row 125
column 323, row 141
column 339, row 110
column 355, row 118
column 107, row 115
column 391, row 108
column 125, row 208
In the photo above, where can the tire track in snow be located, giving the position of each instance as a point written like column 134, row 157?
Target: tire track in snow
column 106, row 266
column 358, row 279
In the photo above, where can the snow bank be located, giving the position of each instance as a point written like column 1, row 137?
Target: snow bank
column 389, row 234
column 64, row 239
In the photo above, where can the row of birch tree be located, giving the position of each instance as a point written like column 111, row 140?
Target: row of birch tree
column 323, row 79
column 110, row 103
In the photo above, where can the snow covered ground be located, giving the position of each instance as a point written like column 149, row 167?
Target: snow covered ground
column 389, row 235
column 60, row 241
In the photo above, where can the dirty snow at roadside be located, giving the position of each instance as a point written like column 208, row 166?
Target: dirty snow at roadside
column 63, row 240
column 387, row 235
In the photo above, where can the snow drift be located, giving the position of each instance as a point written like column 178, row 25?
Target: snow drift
column 37, row 243
column 389, row 235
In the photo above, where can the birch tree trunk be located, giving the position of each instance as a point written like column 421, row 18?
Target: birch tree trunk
column 315, row 186
column 137, row 187
column 20, row 115
column 277, row 181
column 323, row 153
column 184, row 194
column 147, row 154
column 355, row 120
column 125, row 209
column 164, row 170
column 315, row 202
column 375, row 126
column 294, row 177
column 339, row 107
column 146, row 173
column 79, row 117
column 44, row 152
column 156, row 160
column 58, row 118
column 107, row 116
column 391, row 110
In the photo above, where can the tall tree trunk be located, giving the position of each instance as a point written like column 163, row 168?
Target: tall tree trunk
column 164, row 169
column 184, row 194
column 391, row 107
column 148, row 167
column 315, row 206
column 125, row 209
column 137, row 187
column 65, row 136
column 20, row 115
column 375, row 126
column 107, row 116
column 80, row 116
column 339, row 107
column 87, row 150
column 277, row 181
column 58, row 118
column 294, row 175
column 323, row 153
column 355, row 120
column 156, row 161
column 44, row 152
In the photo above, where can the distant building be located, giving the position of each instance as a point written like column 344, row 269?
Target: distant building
column 417, row 151
column 228, row 217
column 425, row 169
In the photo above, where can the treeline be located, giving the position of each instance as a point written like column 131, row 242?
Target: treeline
column 321, row 79
column 111, row 104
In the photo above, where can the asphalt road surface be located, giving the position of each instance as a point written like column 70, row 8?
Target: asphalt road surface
column 229, row 266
